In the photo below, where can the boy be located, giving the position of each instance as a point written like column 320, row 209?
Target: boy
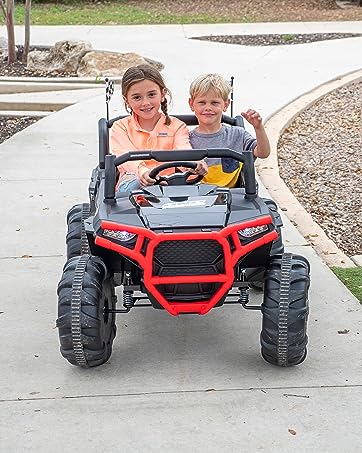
column 209, row 99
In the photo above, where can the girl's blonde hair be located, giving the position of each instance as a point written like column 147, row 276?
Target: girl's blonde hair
column 146, row 72
column 210, row 82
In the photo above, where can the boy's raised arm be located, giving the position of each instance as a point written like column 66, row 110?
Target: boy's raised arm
column 262, row 148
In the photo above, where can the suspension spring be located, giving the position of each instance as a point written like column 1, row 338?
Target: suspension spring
column 128, row 301
column 244, row 296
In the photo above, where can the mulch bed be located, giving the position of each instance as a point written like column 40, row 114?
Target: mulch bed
column 319, row 158
column 276, row 39
column 11, row 126
column 255, row 10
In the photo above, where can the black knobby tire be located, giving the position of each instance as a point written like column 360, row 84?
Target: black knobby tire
column 277, row 246
column 76, row 240
column 285, row 310
column 256, row 277
column 86, row 329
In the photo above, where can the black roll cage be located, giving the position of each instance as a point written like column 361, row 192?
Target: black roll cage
column 109, row 162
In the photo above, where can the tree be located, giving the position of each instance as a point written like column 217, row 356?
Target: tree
column 27, row 30
column 8, row 12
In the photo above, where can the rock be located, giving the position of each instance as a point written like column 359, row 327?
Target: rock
column 65, row 56
column 112, row 64
column 78, row 57
column 3, row 45
column 4, row 48
column 157, row 64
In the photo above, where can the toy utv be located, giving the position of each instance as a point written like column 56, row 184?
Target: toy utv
column 180, row 246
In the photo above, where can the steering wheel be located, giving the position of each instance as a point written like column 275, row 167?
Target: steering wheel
column 176, row 179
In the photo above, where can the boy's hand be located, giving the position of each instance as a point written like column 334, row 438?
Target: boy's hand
column 252, row 117
column 201, row 168
column 145, row 180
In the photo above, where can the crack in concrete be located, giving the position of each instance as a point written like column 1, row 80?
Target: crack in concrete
column 184, row 392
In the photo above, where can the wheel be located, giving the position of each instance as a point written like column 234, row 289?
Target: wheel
column 257, row 276
column 257, row 286
column 86, row 328
column 285, row 310
column 76, row 240
column 277, row 246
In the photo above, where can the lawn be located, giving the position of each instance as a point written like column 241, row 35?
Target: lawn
column 133, row 12
column 352, row 278
column 116, row 13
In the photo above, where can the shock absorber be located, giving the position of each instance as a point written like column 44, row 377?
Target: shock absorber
column 244, row 290
column 244, row 296
column 244, row 293
column 128, row 301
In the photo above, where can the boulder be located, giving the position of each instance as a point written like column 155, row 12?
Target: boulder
column 3, row 43
column 65, row 56
column 3, row 47
column 112, row 64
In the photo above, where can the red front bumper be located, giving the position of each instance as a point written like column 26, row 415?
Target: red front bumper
column 144, row 256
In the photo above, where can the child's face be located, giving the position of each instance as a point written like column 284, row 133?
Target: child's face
column 208, row 108
column 145, row 98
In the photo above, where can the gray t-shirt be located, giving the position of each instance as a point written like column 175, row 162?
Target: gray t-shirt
column 232, row 137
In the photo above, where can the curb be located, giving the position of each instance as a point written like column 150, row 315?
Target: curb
column 15, row 85
column 25, row 113
column 268, row 171
column 28, row 87
column 345, row 4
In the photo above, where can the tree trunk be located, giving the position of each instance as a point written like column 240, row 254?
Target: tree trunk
column 10, row 31
column 2, row 7
column 27, row 30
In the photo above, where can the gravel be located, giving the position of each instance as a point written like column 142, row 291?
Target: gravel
column 276, row 39
column 320, row 160
column 11, row 126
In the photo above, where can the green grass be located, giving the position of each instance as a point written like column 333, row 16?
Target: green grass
column 352, row 278
column 111, row 13
column 287, row 38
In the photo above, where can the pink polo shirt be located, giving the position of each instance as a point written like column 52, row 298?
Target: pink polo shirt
column 127, row 135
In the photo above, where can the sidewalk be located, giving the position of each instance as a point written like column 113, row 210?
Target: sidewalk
column 173, row 384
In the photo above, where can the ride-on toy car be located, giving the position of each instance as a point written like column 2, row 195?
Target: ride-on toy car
column 183, row 246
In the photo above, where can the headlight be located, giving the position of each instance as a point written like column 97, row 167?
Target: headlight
column 123, row 236
column 252, row 231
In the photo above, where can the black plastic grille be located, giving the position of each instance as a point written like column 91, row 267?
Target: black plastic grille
column 191, row 257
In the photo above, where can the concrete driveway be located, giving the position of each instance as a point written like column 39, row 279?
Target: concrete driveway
column 186, row 384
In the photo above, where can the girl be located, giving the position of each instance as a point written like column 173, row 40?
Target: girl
column 147, row 128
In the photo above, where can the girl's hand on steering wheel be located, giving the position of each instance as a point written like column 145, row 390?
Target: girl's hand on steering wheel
column 145, row 180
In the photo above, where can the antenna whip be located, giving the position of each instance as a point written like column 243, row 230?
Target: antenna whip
column 109, row 93
column 232, row 95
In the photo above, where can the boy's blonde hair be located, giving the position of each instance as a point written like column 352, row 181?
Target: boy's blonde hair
column 210, row 82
